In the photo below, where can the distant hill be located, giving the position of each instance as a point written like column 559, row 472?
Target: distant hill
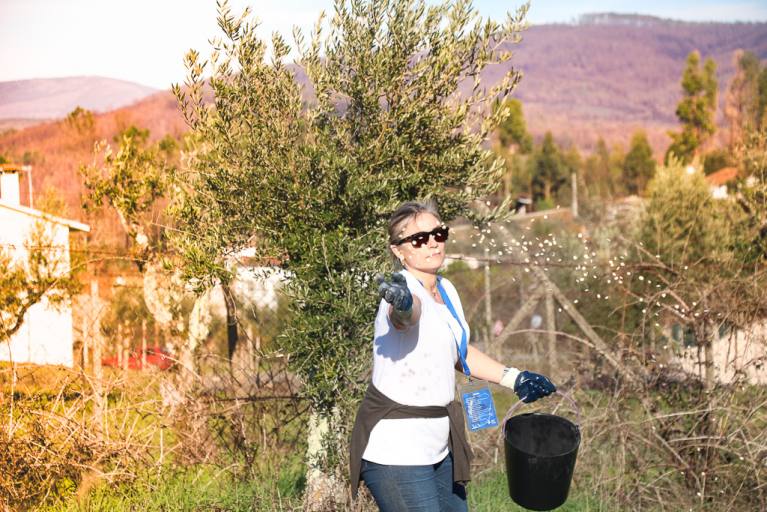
column 609, row 74
column 17, row 124
column 53, row 98
column 606, row 76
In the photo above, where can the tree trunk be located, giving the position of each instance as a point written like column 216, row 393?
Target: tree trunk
column 85, row 337
column 118, row 347
column 143, row 344
column 198, row 328
column 323, row 491
column 507, row 182
column 708, row 354
column 122, row 339
column 231, row 321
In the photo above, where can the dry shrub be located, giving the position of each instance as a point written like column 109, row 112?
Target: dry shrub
column 667, row 444
column 49, row 438
column 246, row 416
column 693, row 447
column 65, row 433
column 40, row 461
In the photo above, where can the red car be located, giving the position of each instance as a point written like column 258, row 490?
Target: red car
column 155, row 356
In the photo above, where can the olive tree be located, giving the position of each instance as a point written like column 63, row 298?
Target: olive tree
column 391, row 109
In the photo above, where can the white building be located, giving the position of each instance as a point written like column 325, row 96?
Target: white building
column 46, row 336
column 740, row 353
column 718, row 181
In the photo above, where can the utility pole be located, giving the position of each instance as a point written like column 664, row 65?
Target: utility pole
column 551, row 328
column 491, row 348
column 95, row 331
column 574, row 206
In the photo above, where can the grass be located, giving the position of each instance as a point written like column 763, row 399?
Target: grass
column 197, row 488
column 490, row 493
column 208, row 488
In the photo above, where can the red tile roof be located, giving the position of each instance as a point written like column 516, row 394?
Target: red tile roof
column 722, row 176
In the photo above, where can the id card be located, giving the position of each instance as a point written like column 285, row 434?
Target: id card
column 478, row 407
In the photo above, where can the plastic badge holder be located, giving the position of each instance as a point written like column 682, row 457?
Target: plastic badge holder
column 478, row 406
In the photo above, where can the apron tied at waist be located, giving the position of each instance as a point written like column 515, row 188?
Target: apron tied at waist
column 376, row 406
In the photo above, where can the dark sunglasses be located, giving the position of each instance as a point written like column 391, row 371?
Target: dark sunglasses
column 418, row 239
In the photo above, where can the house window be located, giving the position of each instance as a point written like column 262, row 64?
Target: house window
column 684, row 335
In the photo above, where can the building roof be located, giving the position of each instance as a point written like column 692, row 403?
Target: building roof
column 10, row 168
column 71, row 224
column 722, row 176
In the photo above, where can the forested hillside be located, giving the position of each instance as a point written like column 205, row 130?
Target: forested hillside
column 604, row 77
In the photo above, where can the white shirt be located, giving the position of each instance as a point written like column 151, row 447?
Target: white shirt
column 416, row 367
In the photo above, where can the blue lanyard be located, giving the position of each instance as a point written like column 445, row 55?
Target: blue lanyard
column 462, row 347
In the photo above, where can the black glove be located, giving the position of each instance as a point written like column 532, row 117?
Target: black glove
column 530, row 386
column 395, row 292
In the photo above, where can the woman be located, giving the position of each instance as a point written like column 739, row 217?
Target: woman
column 408, row 443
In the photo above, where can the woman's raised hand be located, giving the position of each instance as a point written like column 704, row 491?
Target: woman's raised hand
column 395, row 291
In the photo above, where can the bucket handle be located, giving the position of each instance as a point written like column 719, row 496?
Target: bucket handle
column 519, row 403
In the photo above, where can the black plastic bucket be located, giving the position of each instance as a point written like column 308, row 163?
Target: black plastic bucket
column 540, row 458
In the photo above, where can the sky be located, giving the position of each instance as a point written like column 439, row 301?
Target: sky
column 144, row 41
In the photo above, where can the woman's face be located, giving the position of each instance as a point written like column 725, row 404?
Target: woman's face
column 427, row 258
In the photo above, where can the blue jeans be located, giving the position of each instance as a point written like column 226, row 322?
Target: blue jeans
column 415, row 488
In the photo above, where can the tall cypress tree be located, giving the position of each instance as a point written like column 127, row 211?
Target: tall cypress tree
column 639, row 165
column 513, row 129
column 549, row 170
column 696, row 109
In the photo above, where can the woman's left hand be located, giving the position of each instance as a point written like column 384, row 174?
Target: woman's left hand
column 528, row 386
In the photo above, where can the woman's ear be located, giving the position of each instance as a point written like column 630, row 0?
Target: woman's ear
column 397, row 254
